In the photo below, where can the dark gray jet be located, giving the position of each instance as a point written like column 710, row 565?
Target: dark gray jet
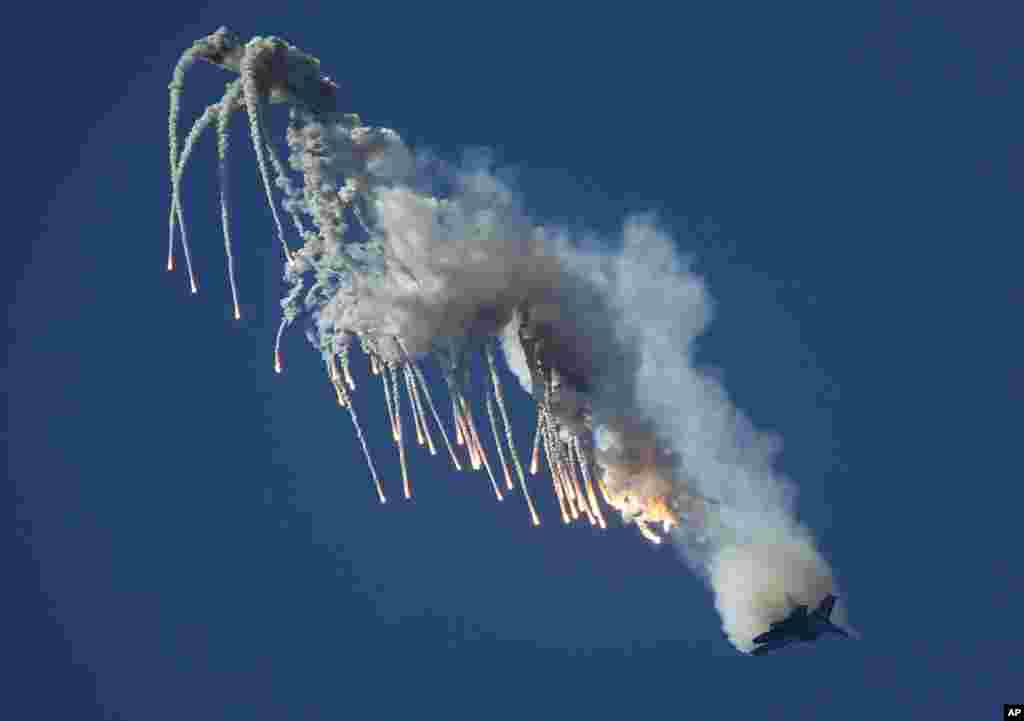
column 798, row 627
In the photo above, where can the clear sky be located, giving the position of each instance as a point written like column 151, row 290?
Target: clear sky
column 198, row 538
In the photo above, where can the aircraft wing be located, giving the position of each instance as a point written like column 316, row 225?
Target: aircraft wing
column 838, row 629
column 769, row 647
column 826, row 606
column 769, row 636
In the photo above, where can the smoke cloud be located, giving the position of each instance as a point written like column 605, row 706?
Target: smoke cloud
column 626, row 313
column 414, row 257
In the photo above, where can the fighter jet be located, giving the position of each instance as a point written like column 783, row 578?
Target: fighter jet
column 798, row 627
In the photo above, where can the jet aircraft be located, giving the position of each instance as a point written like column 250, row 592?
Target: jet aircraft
column 798, row 627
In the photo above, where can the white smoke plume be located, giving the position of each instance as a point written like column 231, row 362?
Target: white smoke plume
column 414, row 258
column 759, row 581
column 634, row 314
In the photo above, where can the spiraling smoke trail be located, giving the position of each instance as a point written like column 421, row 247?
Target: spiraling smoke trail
column 409, row 257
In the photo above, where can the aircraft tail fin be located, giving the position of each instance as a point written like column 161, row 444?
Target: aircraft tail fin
column 824, row 613
column 825, row 609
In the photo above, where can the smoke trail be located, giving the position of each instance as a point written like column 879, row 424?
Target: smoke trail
column 415, row 257
column 626, row 321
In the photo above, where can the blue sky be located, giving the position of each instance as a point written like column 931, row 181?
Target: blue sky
column 197, row 537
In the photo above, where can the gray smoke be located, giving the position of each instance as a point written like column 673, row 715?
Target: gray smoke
column 628, row 310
